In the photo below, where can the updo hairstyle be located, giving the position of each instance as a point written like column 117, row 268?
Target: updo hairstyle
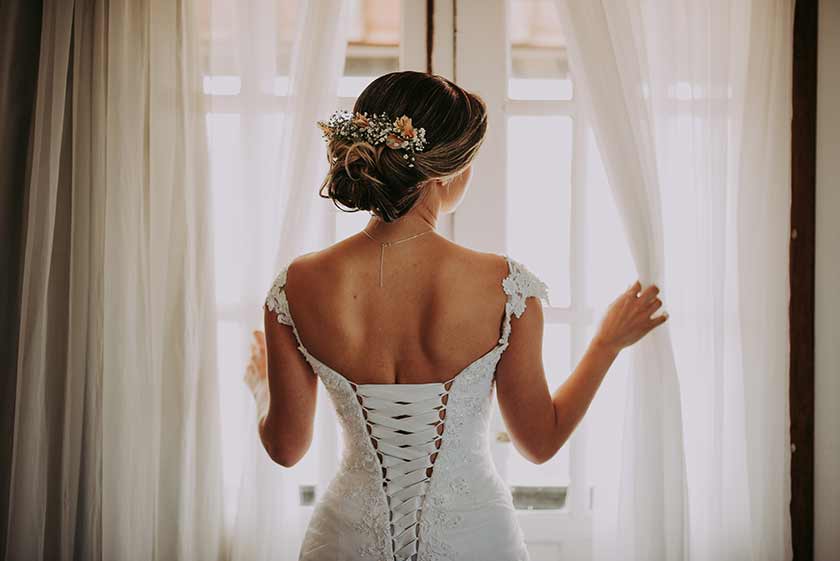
column 377, row 178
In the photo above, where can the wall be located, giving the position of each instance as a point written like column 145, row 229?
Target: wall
column 827, row 437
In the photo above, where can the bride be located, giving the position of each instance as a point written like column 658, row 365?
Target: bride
column 411, row 335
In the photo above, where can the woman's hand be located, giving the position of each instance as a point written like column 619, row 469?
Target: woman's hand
column 628, row 318
column 257, row 370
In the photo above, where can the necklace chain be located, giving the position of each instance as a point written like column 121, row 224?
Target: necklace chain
column 383, row 245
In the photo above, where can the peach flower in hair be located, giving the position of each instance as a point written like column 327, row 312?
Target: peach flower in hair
column 360, row 121
column 395, row 142
column 405, row 127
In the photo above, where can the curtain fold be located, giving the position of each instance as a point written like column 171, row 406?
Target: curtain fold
column 116, row 404
column 611, row 69
column 162, row 364
column 690, row 106
column 116, row 430
column 20, row 34
column 286, row 76
column 36, row 526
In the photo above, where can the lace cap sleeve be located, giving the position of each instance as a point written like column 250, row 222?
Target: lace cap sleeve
column 520, row 284
column 276, row 299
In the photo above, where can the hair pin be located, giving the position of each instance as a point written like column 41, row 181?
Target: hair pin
column 397, row 134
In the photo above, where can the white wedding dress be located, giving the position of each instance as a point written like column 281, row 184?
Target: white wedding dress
column 381, row 505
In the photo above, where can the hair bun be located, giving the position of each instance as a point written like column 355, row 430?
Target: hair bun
column 356, row 180
column 386, row 181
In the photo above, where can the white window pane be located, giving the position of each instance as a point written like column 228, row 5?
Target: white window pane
column 349, row 223
column 538, row 195
column 539, row 88
column 229, row 207
column 608, row 268
column 363, row 65
column 352, row 86
column 555, row 472
column 222, row 85
column 281, row 85
column 373, row 44
column 234, row 403
column 608, row 271
column 539, row 64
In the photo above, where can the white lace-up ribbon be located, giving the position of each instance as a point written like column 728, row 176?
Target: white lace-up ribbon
column 402, row 420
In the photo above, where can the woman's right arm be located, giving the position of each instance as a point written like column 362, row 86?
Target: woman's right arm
column 538, row 422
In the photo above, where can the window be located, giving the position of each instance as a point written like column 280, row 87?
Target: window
column 539, row 194
column 540, row 182
column 243, row 127
column 541, row 147
column 373, row 49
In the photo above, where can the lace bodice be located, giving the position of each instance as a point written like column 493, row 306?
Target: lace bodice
column 416, row 463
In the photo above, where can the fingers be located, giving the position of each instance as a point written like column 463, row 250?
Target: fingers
column 649, row 294
column 643, row 295
column 258, row 354
column 648, row 302
column 658, row 320
column 652, row 306
column 259, row 341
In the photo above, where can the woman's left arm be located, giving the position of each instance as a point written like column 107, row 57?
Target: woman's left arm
column 285, row 390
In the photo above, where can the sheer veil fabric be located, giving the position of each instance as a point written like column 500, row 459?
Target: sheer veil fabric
column 691, row 107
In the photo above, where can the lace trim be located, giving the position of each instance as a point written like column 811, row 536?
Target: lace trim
column 446, row 487
column 403, row 429
column 520, row 284
column 276, row 299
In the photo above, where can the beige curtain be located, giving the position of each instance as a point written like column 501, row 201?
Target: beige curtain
column 691, row 109
column 274, row 70
column 116, row 448
column 20, row 33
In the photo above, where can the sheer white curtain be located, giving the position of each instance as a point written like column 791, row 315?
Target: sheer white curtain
column 691, row 105
column 116, row 443
column 274, row 70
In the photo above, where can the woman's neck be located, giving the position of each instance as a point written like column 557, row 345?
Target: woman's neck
column 418, row 219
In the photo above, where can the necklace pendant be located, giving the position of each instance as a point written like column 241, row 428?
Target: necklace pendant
column 383, row 245
column 381, row 262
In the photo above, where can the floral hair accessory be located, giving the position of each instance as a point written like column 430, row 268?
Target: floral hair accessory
column 398, row 134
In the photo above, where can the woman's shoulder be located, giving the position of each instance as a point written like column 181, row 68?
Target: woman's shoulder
column 454, row 262
column 498, row 271
column 515, row 275
column 449, row 255
column 522, row 283
column 472, row 262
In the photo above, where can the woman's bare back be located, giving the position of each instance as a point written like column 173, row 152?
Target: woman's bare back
column 441, row 307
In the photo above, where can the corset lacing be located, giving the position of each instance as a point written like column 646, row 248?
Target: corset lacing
column 406, row 430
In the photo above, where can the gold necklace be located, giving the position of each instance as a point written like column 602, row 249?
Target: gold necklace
column 383, row 245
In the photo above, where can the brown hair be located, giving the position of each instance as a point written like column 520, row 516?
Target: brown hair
column 377, row 178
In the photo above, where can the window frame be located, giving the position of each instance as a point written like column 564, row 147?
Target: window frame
column 480, row 25
column 465, row 40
